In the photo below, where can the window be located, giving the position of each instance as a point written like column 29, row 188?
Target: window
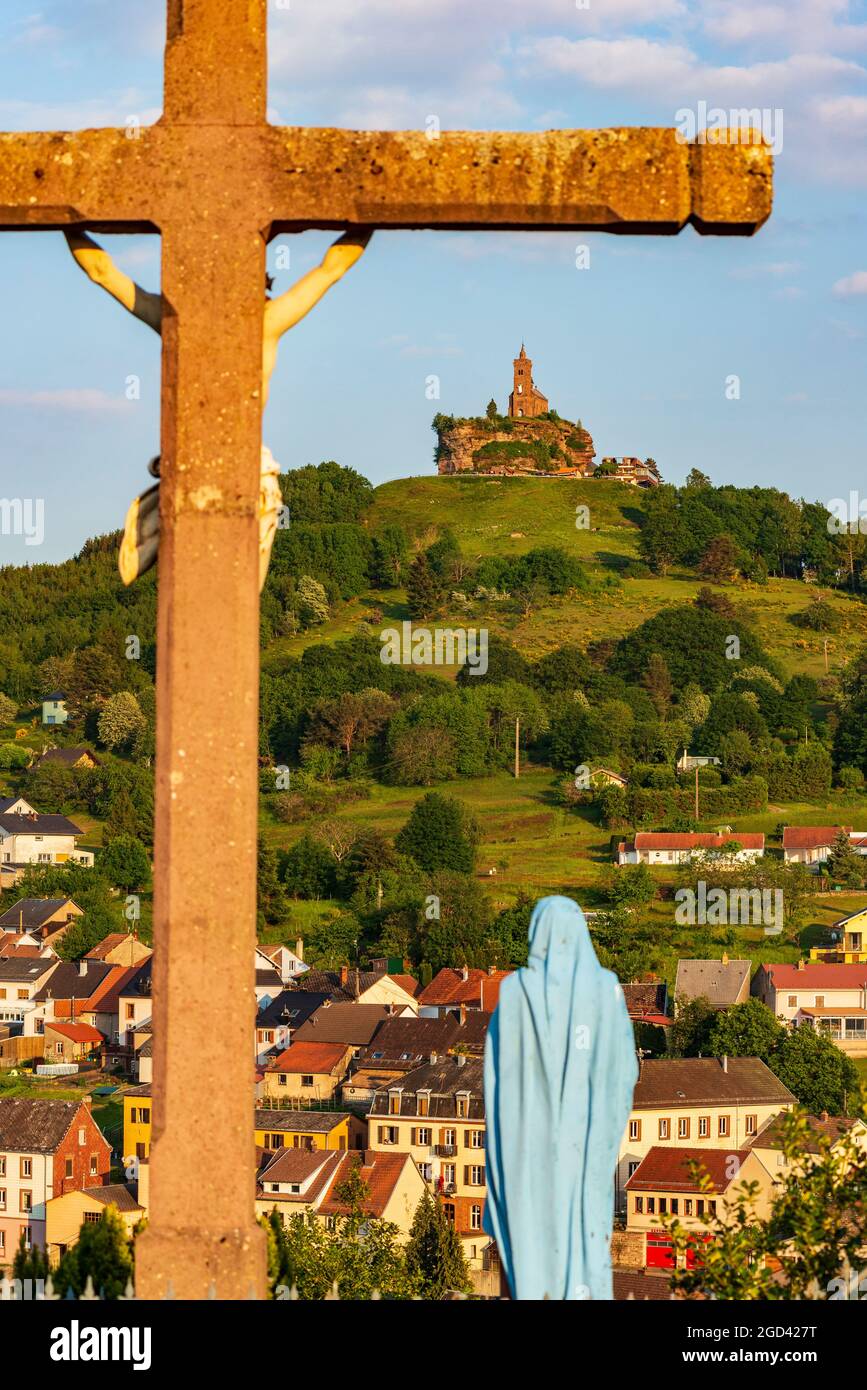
column 633, row 1166
column 129, row 1010
column 475, row 1217
column 273, row 1141
column 793, row 1001
column 2, row 1241
column 145, row 1115
column 635, row 1129
column 307, row 1081
column 639, row 1206
column 3, row 1166
column 687, row 1206
column 92, row 1217
column 2, row 1198
column 463, row 1105
column 675, row 1206
column 22, row 994
column 450, row 1137
column 27, row 1236
column 699, row 1206
column 820, row 1001
column 69, row 1167
column 651, row 1206
column 26, row 1199
column 424, row 1137
column 683, row 1127
column 94, row 1165
column 476, row 1138
column 388, row 1134
column 26, row 1169
column 141, row 1150
column 703, row 1126
column 281, row 1078
column 449, row 1211
column 475, row 1175
column 394, row 1102
column 665, row 1129
column 423, row 1103
column 723, row 1126
column 448, row 1171
column 711, row 1206
column 275, row 1186
column 663, row 1206
column 752, row 1122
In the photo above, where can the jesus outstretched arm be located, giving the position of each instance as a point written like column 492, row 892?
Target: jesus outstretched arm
column 101, row 269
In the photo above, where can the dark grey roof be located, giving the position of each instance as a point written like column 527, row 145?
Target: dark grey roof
column 25, row 970
column 114, row 1194
column 718, row 981
column 67, row 982
column 706, row 1081
column 445, row 1079
column 56, row 695
column 292, row 1007
column 67, row 756
column 38, row 824
column 353, row 1024
column 267, row 979
column 402, row 1041
column 35, row 1126
column 298, row 1121
column 328, row 982
column 32, row 912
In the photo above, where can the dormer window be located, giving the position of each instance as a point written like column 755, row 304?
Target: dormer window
column 463, row 1104
column 394, row 1102
column 423, row 1100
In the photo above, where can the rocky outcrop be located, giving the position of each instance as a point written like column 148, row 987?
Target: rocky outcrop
column 541, row 447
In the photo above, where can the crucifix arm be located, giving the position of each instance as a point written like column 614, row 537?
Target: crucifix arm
column 101, row 269
column 285, row 311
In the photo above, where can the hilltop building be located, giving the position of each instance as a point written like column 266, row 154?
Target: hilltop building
column 526, row 398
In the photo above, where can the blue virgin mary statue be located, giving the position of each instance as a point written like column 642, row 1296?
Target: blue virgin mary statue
column 560, row 1068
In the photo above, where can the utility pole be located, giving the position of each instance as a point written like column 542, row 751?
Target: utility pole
column 696, row 793
column 517, row 749
column 825, row 645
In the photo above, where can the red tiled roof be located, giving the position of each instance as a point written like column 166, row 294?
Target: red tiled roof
column 449, row 987
column 667, row 1169
column 810, row 836
column 406, row 982
column 311, row 1057
column 692, row 840
column 77, row 1032
column 817, row 975
column 380, row 1171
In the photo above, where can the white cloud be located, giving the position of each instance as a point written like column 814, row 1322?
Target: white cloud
column 851, row 285
column 81, row 400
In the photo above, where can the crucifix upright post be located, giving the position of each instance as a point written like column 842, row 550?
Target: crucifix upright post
column 217, row 182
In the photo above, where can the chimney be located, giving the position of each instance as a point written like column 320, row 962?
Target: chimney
column 344, row 975
column 725, row 958
column 824, row 1117
column 491, row 969
column 299, row 947
column 462, row 1059
column 465, row 974
column 434, row 1058
column 82, row 967
column 802, row 964
column 462, row 1014
column 724, row 1062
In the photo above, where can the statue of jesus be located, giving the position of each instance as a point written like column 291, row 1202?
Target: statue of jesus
column 138, row 551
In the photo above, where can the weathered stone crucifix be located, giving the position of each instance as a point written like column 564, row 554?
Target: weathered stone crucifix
column 217, row 181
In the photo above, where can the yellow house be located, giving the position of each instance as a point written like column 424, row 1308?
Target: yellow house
column 663, row 1186
column 64, row 1216
column 698, row 1102
column 308, row 1129
column 293, row 1182
column 137, row 1123
column 850, row 934
column 307, row 1071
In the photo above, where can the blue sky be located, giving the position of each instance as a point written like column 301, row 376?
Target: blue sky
column 638, row 346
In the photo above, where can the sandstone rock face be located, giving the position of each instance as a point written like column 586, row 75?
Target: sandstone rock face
column 543, row 448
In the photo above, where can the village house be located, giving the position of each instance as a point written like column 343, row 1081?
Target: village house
column 306, row 1071
column 24, row 946
column 286, row 962
column 688, row 762
column 697, row 1102
column 120, row 948
column 27, row 837
column 450, row 990
column 267, row 983
column 352, row 1025
column 22, row 981
column 71, row 1042
column 673, row 847
column 141, row 1063
column 346, row 986
column 604, row 777
column 402, row 1044
column 849, row 936
column 663, row 1185
column 64, row 1216
column 436, row 1113
column 831, row 999
column 41, row 917
column 293, row 1181
column 73, row 993
column 721, row 982
column 137, row 1123
column 647, row 1002
column 68, row 757
column 47, row 1148
column 54, row 709
column 812, row 844
column 768, row 1143
column 278, row 1020
column 308, row 1129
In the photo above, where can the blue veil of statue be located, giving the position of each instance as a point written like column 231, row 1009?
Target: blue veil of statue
column 560, row 1069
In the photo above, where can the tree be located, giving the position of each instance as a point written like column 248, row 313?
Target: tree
column 312, row 601
column 745, row 1030
column 630, row 885
column 439, row 835
column 120, row 721
column 720, row 604
column 689, row 1035
column 308, row 869
column 435, row 1258
column 125, row 864
column 721, row 560
column 697, row 480
column 845, row 864
column 273, row 909
column 349, row 719
column 491, row 410
column 458, row 932
column 423, row 591
column 8, row 709
column 29, row 1263
column 736, row 752
column 657, row 682
column 389, row 555
column 103, row 1253
column 816, row 1071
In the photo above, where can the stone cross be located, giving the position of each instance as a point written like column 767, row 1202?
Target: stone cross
column 218, row 182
